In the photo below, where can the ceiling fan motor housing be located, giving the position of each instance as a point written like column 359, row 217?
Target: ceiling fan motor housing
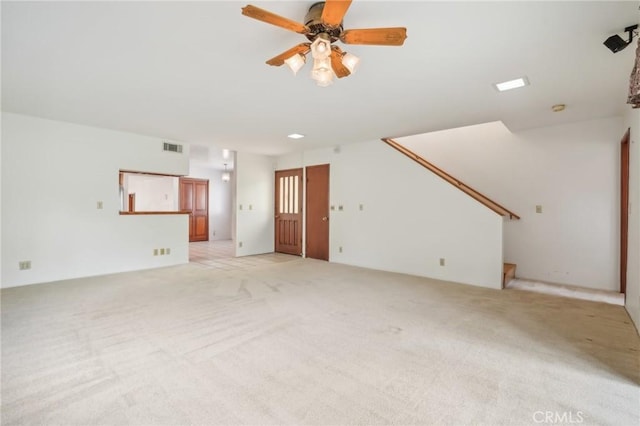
column 313, row 21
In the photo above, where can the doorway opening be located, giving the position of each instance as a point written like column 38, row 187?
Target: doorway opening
column 217, row 166
column 292, row 222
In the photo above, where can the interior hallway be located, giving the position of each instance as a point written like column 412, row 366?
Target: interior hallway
column 308, row 342
column 221, row 255
column 211, row 250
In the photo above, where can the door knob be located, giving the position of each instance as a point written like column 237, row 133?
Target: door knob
column 324, row 218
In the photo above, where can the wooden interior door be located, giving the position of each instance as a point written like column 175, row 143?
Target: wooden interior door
column 317, row 235
column 194, row 197
column 624, row 209
column 288, row 211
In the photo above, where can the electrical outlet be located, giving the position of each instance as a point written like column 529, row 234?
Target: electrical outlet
column 340, row 208
column 155, row 252
column 340, row 249
column 538, row 209
column 240, row 207
column 250, row 206
column 24, row 265
column 99, row 205
column 161, row 252
column 240, row 244
column 361, row 207
column 442, row 261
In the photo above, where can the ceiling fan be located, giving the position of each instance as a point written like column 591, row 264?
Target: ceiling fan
column 322, row 27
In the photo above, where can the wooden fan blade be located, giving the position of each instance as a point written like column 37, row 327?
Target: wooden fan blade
column 302, row 48
column 336, row 63
column 334, row 11
column 273, row 19
column 377, row 36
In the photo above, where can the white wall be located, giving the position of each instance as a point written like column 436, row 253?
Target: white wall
column 234, row 204
column 219, row 201
column 410, row 217
column 632, row 302
column 254, row 209
column 572, row 171
column 53, row 175
column 1, row 210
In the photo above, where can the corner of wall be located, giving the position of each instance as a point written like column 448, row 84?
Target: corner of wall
column 632, row 299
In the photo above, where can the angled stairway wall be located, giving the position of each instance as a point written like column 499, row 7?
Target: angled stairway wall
column 457, row 183
column 571, row 171
column 509, row 269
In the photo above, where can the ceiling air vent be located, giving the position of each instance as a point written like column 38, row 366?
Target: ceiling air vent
column 172, row 147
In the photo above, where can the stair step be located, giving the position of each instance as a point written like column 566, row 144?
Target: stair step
column 508, row 273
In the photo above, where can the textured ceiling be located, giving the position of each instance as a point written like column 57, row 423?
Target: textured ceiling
column 195, row 71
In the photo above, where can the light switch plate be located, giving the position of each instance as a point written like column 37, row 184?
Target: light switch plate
column 538, row 208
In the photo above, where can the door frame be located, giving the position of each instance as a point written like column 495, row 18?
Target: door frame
column 624, row 208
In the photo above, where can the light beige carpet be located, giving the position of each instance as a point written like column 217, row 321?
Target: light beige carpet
column 308, row 342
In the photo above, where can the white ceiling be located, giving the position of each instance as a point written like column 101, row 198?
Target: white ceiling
column 211, row 157
column 195, row 72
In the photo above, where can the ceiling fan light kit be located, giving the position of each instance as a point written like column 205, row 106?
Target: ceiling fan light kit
column 296, row 62
column 350, row 61
column 322, row 27
column 321, row 47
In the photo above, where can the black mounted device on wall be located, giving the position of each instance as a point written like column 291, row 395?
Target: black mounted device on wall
column 615, row 43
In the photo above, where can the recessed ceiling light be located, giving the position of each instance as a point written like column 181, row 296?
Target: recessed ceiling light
column 512, row 84
column 295, row 136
